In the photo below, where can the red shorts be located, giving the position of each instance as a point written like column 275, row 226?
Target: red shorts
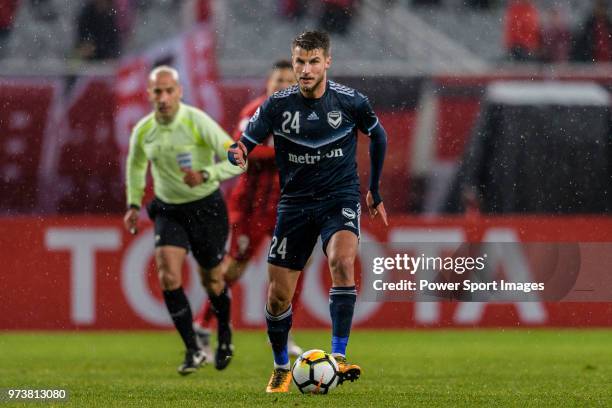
column 248, row 234
column 253, row 204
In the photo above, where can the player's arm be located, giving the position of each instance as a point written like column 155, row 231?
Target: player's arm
column 369, row 124
column 378, row 148
column 258, row 129
column 239, row 151
column 135, row 180
column 214, row 136
column 263, row 152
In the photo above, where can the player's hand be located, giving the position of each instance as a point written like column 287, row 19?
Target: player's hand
column 193, row 178
column 376, row 208
column 238, row 152
column 130, row 221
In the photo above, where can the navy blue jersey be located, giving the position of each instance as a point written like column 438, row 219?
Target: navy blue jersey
column 315, row 141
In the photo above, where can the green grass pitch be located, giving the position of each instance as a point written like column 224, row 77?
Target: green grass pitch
column 401, row 368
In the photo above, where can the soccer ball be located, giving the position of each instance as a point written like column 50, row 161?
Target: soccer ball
column 315, row 372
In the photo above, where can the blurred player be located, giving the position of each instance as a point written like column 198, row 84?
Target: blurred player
column 189, row 212
column 315, row 127
column 252, row 202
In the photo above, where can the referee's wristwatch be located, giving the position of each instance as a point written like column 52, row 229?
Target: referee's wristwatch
column 205, row 176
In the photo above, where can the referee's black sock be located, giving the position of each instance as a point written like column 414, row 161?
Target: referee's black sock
column 221, row 306
column 180, row 312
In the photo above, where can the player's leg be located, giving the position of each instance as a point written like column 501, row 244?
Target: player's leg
column 218, row 293
column 341, row 251
column 169, row 260
column 294, row 238
column 249, row 232
column 201, row 326
column 292, row 347
column 247, row 235
column 235, row 264
column 203, row 317
column 202, row 320
column 340, row 237
column 208, row 231
column 243, row 240
column 242, row 237
column 279, row 318
column 234, row 269
column 278, row 310
column 171, row 244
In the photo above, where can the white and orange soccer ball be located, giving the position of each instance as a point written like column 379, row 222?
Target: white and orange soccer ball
column 315, row 372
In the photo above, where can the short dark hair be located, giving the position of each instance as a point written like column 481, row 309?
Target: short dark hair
column 311, row 40
column 282, row 64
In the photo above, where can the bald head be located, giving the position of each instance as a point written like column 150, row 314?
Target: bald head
column 165, row 93
column 164, row 69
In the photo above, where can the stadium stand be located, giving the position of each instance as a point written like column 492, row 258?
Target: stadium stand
column 481, row 30
column 410, row 39
column 395, row 35
column 45, row 36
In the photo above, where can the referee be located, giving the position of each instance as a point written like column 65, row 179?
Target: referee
column 189, row 212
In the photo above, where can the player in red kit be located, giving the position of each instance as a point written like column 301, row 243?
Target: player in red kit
column 252, row 203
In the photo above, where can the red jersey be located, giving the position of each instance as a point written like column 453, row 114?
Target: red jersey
column 255, row 196
column 601, row 49
column 522, row 26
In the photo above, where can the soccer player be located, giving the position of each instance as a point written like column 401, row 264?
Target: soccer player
column 189, row 212
column 252, row 204
column 315, row 127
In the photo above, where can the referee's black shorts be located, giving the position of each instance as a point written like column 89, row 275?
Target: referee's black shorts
column 200, row 226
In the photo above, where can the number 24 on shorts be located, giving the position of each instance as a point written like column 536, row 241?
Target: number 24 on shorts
column 281, row 250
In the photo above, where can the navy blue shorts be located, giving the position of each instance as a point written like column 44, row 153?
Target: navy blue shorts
column 297, row 230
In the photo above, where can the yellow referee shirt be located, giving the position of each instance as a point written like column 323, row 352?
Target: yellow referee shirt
column 192, row 133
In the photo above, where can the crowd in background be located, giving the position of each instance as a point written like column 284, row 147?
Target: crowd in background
column 530, row 34
column 8, row 8
column 334, row 16
column 103, row 27
column 535, row 35
column 545, row 34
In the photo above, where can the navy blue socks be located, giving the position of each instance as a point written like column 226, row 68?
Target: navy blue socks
column 341, row 306
column 278, row 333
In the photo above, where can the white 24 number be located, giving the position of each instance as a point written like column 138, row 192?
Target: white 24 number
column 293, row 122
column 281, row 250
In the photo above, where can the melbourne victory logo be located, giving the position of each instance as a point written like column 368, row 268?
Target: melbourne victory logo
column 334, row 118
